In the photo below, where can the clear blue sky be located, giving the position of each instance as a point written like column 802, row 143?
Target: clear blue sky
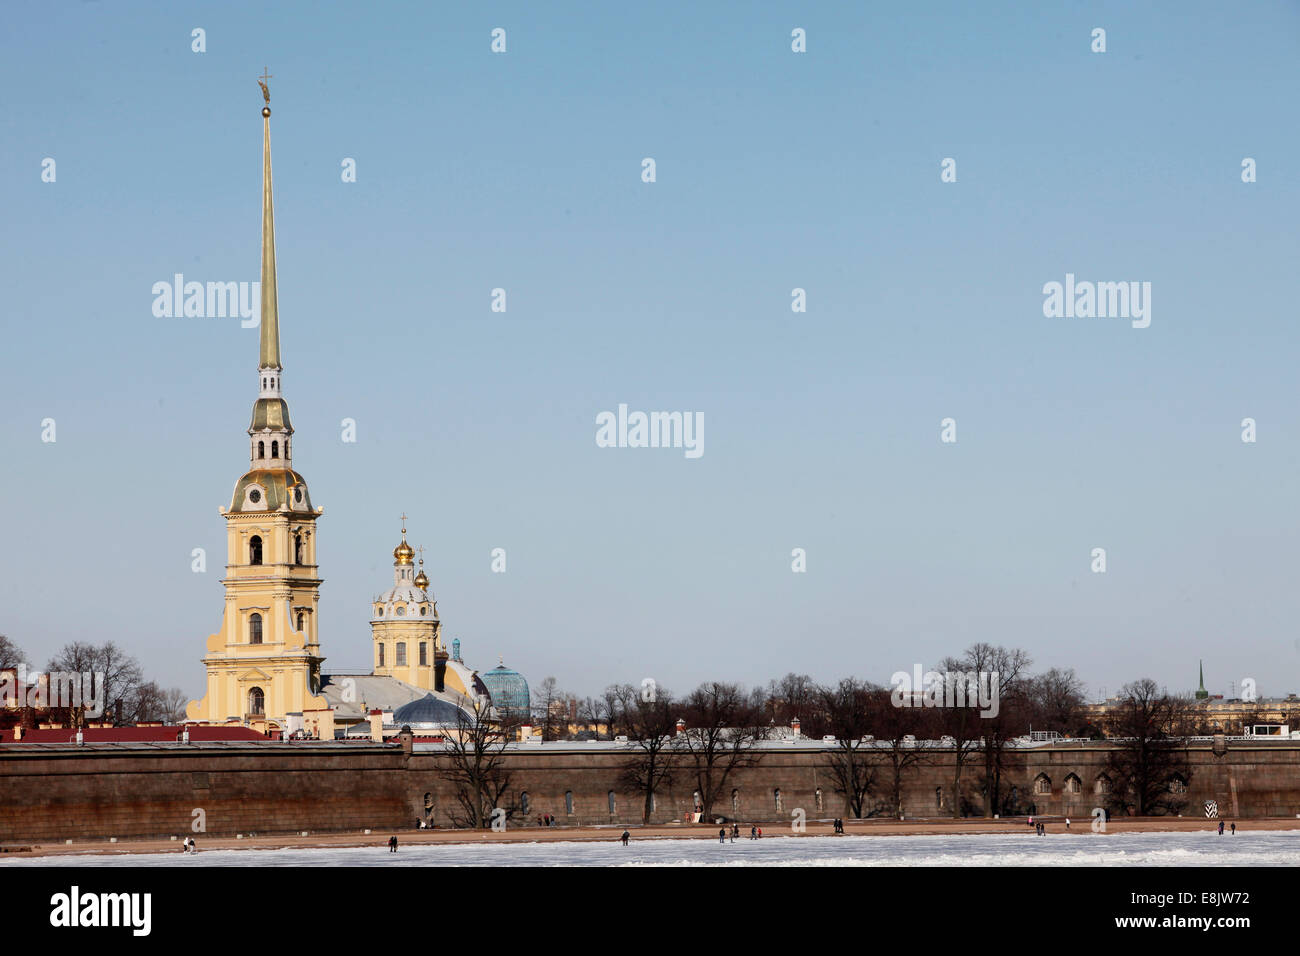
column 775, row 171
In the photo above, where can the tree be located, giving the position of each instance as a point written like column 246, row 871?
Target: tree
column 722, row 728
column 962, row 724
column 1012, row 667
column 900, row 729
column 649, row 726
column 847, row 714
column 1148, row 767
column 1055, row 701
column 11, row 655
column 548, row 709
column 474, row 763
column 795, row 695
column 122, row 673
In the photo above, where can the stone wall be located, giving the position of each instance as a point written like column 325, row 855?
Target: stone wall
column 49, row 793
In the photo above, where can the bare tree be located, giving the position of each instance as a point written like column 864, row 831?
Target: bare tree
column 962, row 724
column 722, row 728
column 847, row 708
column 122, row 672
column 1055, row 701
column 899, row 729
column 795, row 695
column 1012, row 667
column 545, row 698
column 473, row 759
column 649, row 726
column 11, row 655
column 1149, row 767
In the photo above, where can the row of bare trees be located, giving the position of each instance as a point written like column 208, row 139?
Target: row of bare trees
column 127, row 696
column 703, row 738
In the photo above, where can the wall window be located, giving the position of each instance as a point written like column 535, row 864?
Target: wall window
column 256, row 702
column 735, row 801
column 776, row 797
column 297, row 549
column 381, row 655
column 1073, row 784
column 255, row 549
column 568, row 802
column 255, row 629
column 424, row 654
column 261, row 449
column 1042, row 784
column 1102, row 785
column 300, row 620
column 818, row 797
column 1177, row 784
column 401, row 653
column 938, row 798
column 611, row 803
column 275, row 449
column 523, row 802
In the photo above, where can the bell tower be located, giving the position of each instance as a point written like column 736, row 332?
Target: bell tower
column 265, row 663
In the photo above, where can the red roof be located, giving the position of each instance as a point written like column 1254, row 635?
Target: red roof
column 104, row 735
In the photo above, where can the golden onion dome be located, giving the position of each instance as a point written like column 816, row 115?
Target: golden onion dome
column 422, row 579
column 403, row 553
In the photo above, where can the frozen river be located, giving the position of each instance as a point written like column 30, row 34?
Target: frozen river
column 1255, row 848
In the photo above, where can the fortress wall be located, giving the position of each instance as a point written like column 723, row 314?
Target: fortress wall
column 49, row 793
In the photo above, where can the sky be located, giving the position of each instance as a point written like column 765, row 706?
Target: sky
column 775, row 170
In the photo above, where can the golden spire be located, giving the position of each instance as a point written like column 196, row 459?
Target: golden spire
column 270, row 352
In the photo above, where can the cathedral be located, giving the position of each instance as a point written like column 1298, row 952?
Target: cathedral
column 265, row 665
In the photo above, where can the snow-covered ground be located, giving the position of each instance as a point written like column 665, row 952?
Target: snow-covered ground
column 1256, row 848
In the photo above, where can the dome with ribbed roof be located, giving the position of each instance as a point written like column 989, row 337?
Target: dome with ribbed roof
column 429, row 710
column 508, row 690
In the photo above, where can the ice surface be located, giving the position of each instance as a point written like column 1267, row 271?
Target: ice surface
column 1253, row 848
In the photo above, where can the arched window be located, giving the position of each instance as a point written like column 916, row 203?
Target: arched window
column 300, row 620
column 1042, row 784
column 424, row 611
column 818, row 797
column 255, row 549
column 297, row 549
column 381, row 655
column 261, row 449
column 695, row 797
column 1177, row 784
column 255, row 629
column 611, row 802
column 735, row 801
column 256, row 702
column 523, row 802
column 424, row 654
column 938, row 798
column 401, row 653
column 275, row 449
column 1073, row 784
column 776, row 798
column 568, row 802
column 1102, row 785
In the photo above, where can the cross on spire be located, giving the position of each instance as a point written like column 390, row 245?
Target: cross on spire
column 403, row 524
column 421, row 550
column 261, row 81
